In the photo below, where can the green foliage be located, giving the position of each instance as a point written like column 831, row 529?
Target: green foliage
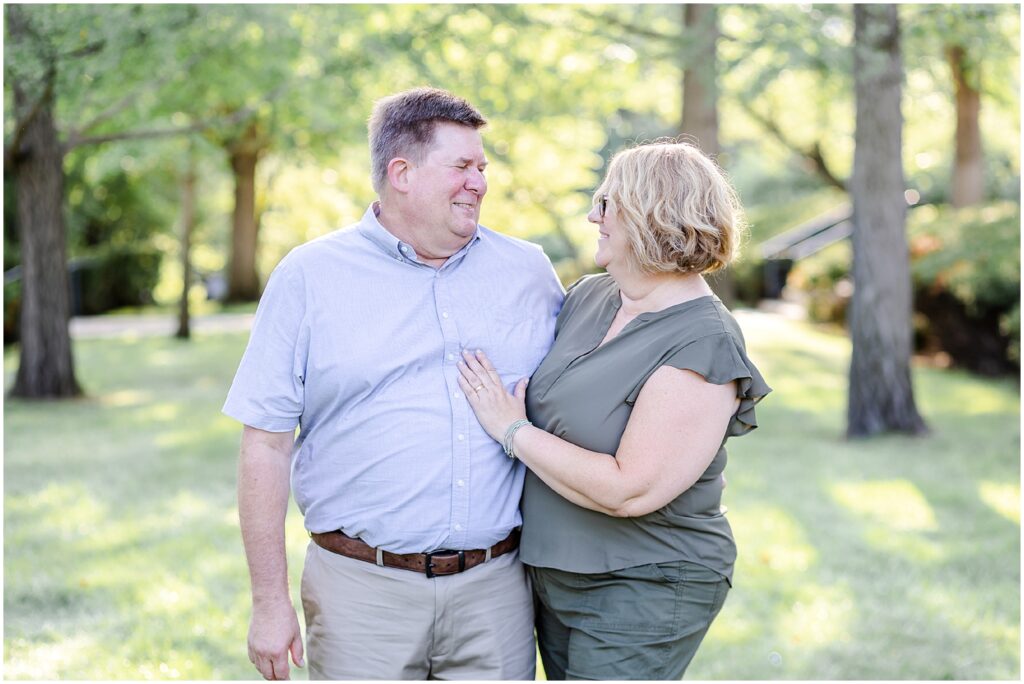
column 114, row 209
column 792, row 65
column 972, row 254
column 564, row 88
column 122, row 558
column 12, row 246
column 824, row 278
column 1009, row 325
column 115, row 276
column 988, row 35
column 12, row 311
column 99, row 55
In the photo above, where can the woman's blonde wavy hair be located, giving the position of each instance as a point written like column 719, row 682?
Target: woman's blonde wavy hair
column 678, row 210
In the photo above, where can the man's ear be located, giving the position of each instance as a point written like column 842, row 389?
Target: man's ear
column 398, row 174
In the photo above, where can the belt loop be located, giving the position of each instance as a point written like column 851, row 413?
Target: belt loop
column 487, row 554
column 380, row 556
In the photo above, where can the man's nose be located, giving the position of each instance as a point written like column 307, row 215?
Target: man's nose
column 476, row 182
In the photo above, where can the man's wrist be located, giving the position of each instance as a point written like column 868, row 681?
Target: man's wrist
column 270, row 600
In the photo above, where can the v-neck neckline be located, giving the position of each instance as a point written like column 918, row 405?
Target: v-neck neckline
column 616, row 306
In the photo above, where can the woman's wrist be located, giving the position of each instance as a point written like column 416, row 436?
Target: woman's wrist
column 510, row 435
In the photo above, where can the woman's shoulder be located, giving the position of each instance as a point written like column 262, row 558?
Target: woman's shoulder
column 592, row 285
column 707, row 317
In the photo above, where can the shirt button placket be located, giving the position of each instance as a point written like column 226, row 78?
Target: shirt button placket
column 460, row 414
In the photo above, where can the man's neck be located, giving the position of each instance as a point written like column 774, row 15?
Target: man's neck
column 395, row 222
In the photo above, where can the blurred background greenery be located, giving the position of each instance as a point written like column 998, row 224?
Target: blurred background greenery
column 273, row 100
column 122, row 558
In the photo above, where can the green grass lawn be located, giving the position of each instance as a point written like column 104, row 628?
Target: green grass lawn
column 894, row 558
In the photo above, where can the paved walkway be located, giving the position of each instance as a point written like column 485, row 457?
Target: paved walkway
column 149, row 325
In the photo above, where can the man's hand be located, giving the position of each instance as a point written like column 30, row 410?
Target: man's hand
column 273, row 633
column 262, row 504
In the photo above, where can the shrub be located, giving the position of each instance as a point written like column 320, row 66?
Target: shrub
column 965, row 271
column 972, row 253
column 112, row 277
column 12, row 312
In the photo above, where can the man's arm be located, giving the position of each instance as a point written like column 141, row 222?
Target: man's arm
column 263, row 489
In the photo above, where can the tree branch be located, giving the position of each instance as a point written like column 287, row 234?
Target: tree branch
column 628, row 26
column 128, row 100
column 812, row 154
column 90, row 49
column 236, row 117
column 12, row 148
column 135, row 135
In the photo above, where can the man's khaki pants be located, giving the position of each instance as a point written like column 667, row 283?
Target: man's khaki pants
column 364, row 621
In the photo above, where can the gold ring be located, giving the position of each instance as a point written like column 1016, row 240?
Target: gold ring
column 477, row 389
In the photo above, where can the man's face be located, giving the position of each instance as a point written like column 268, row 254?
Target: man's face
column 448, row 186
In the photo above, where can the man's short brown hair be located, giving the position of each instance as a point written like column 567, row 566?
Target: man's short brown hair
column 403, row 125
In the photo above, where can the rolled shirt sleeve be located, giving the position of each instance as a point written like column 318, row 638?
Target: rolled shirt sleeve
column 268, row 389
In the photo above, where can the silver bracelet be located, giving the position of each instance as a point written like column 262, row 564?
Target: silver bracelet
column 510, row 434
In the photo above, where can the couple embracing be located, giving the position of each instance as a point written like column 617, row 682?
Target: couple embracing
column 481, row 456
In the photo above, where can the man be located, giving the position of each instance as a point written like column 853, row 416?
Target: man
column 413, row 570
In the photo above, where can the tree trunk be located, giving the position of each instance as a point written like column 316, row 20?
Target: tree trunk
column 881, row 396
column 700, row 87
column 243, row 281
column 969, row 163
column 46, row 366
column 700, row 104
column 188, row 214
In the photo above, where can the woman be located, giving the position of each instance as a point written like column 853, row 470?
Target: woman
column 627, row 546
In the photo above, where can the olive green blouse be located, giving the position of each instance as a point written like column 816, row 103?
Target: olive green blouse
column 584, row 393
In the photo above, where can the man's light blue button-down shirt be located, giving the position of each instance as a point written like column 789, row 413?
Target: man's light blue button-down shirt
column 355, row 342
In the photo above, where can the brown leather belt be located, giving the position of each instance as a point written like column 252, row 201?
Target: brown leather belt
column 443, row 562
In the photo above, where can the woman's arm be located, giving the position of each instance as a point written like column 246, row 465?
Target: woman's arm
column 675, row 430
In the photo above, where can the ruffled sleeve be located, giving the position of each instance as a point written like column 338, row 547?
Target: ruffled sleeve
column 721, row 359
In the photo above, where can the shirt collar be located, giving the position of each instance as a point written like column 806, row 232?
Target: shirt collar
column 372, row 229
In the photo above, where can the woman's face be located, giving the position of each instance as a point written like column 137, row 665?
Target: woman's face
column 612, row 246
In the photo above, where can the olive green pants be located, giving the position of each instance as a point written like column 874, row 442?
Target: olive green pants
column 644, row 622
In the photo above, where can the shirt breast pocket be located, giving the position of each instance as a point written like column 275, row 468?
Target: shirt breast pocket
column 518, row 342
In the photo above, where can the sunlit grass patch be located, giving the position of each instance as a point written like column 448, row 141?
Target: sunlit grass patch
column 917, row 548
column 24, row 659
column 820, row 616
column 1003, row 497
column 898, row 504
column 772, row 540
